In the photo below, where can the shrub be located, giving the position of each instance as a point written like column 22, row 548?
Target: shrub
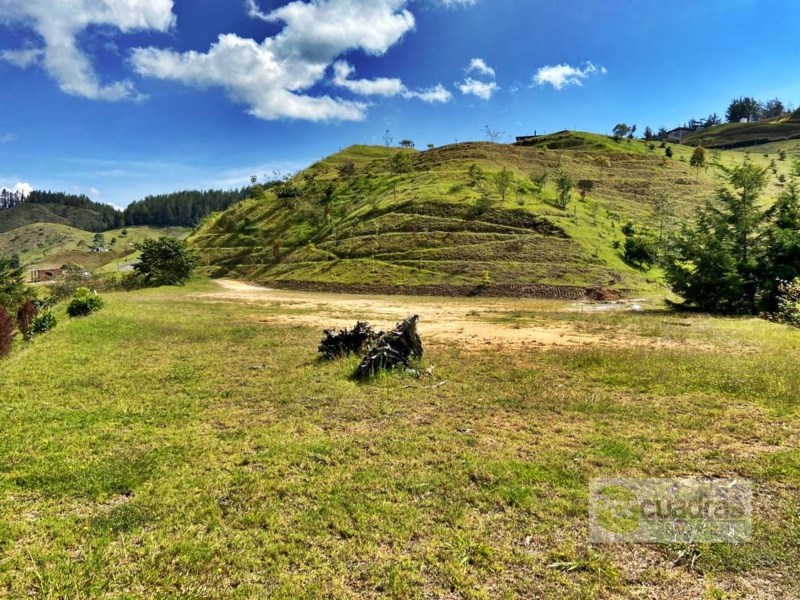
column 782, row 155
column 789, row 303
column 668, row 152
column 84, row 303
column 72, row 277
column 165, row 261
column 641, row 250
column 43, row 322
column 25, row 315
column 7, row 330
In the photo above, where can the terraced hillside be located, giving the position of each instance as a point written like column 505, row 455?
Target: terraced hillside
column 747, row 135
column 391, row 220
column 50, row 245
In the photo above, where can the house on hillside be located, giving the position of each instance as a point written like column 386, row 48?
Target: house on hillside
column 521, row 139
column 48, row 274
column 676, row 135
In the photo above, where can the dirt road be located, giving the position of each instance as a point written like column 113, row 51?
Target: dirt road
column 467, row 322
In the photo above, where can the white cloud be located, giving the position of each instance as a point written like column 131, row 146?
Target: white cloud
column 23, row 58
column 24, row 187
column 343, row 71
column 457, row 3
column 94, row 191
column 481, row 89
column 58, row 23
column 274, row 78
column 561, row 76
column 479, row 66
column 438, row 93
column 7, row 138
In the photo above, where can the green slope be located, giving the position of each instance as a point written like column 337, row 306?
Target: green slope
column 29, row 214
column 746, row 135
column 425, row 227
column 51, row 245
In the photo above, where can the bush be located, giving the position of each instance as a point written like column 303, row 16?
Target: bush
column 25, row 314
column 84, row 303
column 71, row 279
column 641, row 250
column 164, row 261
column 43, row 323
column 789, row 303
column 7, row 331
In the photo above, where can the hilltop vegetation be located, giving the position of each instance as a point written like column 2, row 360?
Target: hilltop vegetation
column 179, row 209
column 374, row 217
column 51, row 245
column 18, row 210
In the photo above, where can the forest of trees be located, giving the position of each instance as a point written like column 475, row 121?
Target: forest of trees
column 181, row 209
column 97, row 216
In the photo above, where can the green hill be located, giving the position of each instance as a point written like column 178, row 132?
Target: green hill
column 744, row 135
column 407, row 221
column 50, row 245
column 28, row 214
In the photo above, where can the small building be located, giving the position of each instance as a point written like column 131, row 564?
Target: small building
column 521, row 139
column 47, row 274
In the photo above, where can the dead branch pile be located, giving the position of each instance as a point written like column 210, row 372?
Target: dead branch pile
column 338, row 344
column 392, row 349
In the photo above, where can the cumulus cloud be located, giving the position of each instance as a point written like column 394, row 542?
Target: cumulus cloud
column 438, row 93
column 23, row 187
column 22, row 58
column 479, row 66
column 58, row 23
column 564, row 75
column 483, row 88
column 274, row 78
column 343, row 71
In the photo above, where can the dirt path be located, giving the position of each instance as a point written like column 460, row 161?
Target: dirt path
column 467, row 322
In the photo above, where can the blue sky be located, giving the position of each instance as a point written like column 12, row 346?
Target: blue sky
column 123, row 98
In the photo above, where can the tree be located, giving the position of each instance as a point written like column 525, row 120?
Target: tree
column 12, row 285
column 698, row 160
column 26, row 313
column 648, row 134
column 743, row 108
column 492, row 134
column 713, row 262
column 663, row 134
column 388, row 139
column 564, row 185
column 664, row 212
column 668, row 152
column 780, row 260
column 502, row 181
column 406, row 144
column 773, row 108
column 7, row 332
column 620, row 131
column 164, row 261
column 539, row 179
column 584, row 187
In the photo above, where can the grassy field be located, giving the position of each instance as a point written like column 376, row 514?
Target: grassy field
column 427, row 225
column 183, row 443
column 44, row 245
